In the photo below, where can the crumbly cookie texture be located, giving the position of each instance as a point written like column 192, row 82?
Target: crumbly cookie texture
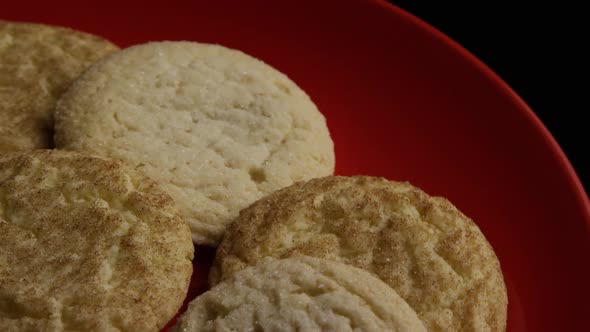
column 87, row 244
column 37, row 64
column 215, row 127
column 300, row 294
column 434, row 256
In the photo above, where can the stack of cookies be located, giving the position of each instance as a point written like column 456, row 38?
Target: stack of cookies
column 113, row 163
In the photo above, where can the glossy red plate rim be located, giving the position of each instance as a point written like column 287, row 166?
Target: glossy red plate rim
column 551, row 143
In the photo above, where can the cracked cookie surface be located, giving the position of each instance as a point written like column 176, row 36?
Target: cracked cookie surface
column 300, row 294
column 37, row 64
column 434, row 256
column 87, row 244
column 215, row 127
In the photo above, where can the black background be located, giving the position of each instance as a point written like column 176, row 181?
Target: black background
column 537, row 49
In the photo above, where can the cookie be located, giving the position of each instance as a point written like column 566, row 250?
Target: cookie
column 87, row 244
column 300, row 294
column 215, row 127
column 37, row 64
column 434, row 256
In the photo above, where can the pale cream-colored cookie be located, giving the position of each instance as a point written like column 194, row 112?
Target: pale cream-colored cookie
column 215, row 127
column 300, row 294
column 434, row 256
column 37, row 64
column 87, row 244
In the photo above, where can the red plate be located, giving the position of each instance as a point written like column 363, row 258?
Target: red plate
column 405, row 102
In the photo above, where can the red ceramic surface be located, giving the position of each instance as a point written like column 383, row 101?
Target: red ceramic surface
column 405, row 102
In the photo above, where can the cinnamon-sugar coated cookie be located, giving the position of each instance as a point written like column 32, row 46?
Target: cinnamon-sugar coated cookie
column 218, row 129
column 87, row 244
column 37, row 64
column 300, row 294
column 434, row 256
